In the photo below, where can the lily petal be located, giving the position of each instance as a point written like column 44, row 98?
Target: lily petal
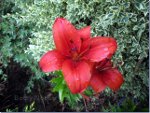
column 77, row 75
column 99, row 48
column 51, row 61
column 85, row 33
column 65, row 36
column 113, row 78
column 97, row 83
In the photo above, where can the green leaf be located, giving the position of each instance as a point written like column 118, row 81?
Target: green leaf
column 114, row 8
column 136, row 27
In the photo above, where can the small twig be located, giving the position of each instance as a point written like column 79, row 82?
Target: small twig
column 85, row 105
column 46, row 82
column 138, row 64
column 6, row 98
column 6, row 106
column 3, row 82
column 41, row 97
column 63, row 107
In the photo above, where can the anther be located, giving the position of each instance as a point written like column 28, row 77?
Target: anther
column 71, row 41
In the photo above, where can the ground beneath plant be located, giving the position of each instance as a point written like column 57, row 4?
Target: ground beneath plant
column 13, row 94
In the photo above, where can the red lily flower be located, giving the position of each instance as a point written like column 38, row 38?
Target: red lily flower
column 104, row 74
column 74, row 52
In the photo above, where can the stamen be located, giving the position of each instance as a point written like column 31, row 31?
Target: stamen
column 81, row 39
column 81, row 54
column 105, row 68
column 74, row 49
column 90, row 47
column 71, row 41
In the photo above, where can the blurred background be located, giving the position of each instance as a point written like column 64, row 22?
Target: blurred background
column 26, row 34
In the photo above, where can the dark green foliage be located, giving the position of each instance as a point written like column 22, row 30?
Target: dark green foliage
column 125, row 105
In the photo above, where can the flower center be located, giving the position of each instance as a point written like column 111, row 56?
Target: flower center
column 74, row 54
column 74, row 51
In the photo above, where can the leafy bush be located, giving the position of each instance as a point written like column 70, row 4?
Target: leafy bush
column 26, row 31
column 125, row 105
